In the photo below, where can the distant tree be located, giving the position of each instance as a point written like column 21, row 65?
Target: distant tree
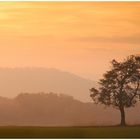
column 120, row 87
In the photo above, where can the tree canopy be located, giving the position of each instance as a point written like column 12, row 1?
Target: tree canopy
column 119, row 87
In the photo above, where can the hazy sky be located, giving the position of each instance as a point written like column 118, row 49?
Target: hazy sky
column 79, row 37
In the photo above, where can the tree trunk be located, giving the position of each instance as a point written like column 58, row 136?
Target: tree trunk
column 123, row 123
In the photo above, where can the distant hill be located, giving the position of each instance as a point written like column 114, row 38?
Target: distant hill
column 58, row 110
column 16, row 80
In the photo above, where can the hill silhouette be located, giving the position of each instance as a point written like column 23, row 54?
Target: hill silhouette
column 57, row 110
column 16, row 80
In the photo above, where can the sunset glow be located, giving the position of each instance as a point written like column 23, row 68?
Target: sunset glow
column 78, row 37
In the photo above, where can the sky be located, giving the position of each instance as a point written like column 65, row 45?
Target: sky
column 78, row 37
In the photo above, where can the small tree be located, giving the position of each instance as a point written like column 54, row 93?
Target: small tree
column 120, row 87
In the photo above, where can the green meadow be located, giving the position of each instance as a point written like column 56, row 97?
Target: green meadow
column 70, row 132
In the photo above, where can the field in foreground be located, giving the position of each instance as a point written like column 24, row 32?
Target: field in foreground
column 69, row 132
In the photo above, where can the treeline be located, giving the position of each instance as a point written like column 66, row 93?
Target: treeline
column 52, row 110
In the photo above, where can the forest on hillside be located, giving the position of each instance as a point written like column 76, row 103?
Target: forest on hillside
column 50, row 109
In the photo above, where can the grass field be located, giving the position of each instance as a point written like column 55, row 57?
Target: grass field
column 70, row 132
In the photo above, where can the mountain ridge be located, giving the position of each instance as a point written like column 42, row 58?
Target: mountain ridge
column 43, row 80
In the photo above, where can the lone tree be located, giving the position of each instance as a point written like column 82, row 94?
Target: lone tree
column 120, row 87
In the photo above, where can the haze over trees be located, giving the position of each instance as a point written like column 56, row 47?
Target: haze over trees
column 35, row 108
column 120, row 87
column 51, row 109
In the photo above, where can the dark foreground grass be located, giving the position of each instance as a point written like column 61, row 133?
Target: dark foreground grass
column 70, row 132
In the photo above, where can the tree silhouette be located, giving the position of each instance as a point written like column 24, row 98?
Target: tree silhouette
column 120, row 87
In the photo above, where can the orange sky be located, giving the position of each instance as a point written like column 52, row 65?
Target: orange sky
column 79, row 37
